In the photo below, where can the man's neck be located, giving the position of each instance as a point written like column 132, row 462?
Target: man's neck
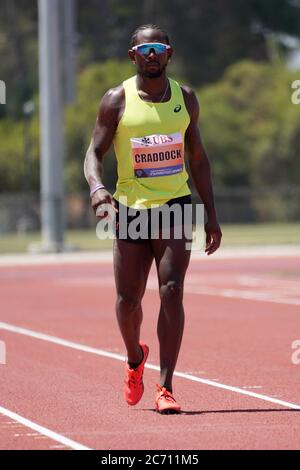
column 152, row 86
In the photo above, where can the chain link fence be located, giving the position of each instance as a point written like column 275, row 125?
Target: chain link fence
column 20, row 213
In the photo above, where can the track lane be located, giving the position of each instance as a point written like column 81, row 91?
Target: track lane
column 244, row 343
column 78, row 395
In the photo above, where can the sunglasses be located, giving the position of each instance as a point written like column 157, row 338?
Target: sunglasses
column 146, row 48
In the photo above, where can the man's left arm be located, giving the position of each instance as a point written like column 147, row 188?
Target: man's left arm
column 200, row 170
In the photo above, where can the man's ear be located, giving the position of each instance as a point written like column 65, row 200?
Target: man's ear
column 170, row 53
column 131, row 55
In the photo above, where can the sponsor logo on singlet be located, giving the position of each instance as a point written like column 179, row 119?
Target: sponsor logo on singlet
column 157, row 155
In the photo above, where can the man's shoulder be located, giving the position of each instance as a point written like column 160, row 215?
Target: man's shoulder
column 118, row 93
column 187, row 91
column 190, row 99
column 189, row 95
column 114, row 96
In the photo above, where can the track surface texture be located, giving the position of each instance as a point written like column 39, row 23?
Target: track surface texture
column 61, row 386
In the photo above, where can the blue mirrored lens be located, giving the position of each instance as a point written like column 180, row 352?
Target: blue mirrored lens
column 146, row 48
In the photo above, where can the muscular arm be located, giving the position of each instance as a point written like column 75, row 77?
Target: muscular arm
column 110, row 111
column 103, row 134
column 200, row 170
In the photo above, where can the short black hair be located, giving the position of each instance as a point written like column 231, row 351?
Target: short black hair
column 148, row 26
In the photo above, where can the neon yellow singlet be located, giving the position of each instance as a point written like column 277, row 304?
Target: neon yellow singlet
column 149, row 147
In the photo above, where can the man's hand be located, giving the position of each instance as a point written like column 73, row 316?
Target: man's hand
column 100, row 197
column 213, row 236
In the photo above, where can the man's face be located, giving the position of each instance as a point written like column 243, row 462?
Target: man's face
column 151, row 65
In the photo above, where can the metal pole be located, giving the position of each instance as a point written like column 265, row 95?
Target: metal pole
column 28, row 109
column 51, row 125
column 69, row 49
column 24, row 223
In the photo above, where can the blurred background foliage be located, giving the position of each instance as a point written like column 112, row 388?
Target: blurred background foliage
column 232, row 53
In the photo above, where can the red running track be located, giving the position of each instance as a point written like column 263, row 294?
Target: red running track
column 242, row 316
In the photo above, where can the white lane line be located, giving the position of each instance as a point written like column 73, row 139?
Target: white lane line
column 41, row 430
column 262, row 296
column 225, row 253
column 103, row 353
column 259, row 296
column 59, row 446
column 273, row 296
column 249, row 387
column 284, row 284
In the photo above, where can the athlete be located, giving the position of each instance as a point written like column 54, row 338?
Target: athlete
column 151, row 120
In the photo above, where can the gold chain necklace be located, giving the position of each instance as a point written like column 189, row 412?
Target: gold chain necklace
column 163, row 96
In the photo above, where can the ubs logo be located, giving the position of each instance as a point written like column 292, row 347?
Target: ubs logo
column 156, row 140
column 146, row 141
column 177, row 108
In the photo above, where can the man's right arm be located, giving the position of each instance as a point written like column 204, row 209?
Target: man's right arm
column 110, row 110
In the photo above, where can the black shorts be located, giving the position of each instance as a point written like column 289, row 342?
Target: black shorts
column 140, row 225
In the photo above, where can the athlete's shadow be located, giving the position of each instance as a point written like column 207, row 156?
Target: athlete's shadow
column 259, row 410
column 205, row 412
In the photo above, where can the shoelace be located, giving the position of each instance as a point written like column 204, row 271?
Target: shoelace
column 165, row 394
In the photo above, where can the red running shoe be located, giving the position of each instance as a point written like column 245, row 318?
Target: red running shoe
column 165, row 402
column 134, row 387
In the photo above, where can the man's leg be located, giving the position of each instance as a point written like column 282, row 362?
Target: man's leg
column 172, row 259
column 132, row 263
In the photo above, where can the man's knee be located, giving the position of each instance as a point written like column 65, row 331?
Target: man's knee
column 171, row 292
column 128, row 302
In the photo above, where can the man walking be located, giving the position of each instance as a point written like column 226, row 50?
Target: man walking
column 151, row 119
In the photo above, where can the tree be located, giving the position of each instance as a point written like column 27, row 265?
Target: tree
column 18, row 52
column 93, row 82
column 250, row 126
column 208, row 36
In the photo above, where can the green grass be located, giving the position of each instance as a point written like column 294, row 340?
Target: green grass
column 233, row 235
column 261, row 234
column 81, row 239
